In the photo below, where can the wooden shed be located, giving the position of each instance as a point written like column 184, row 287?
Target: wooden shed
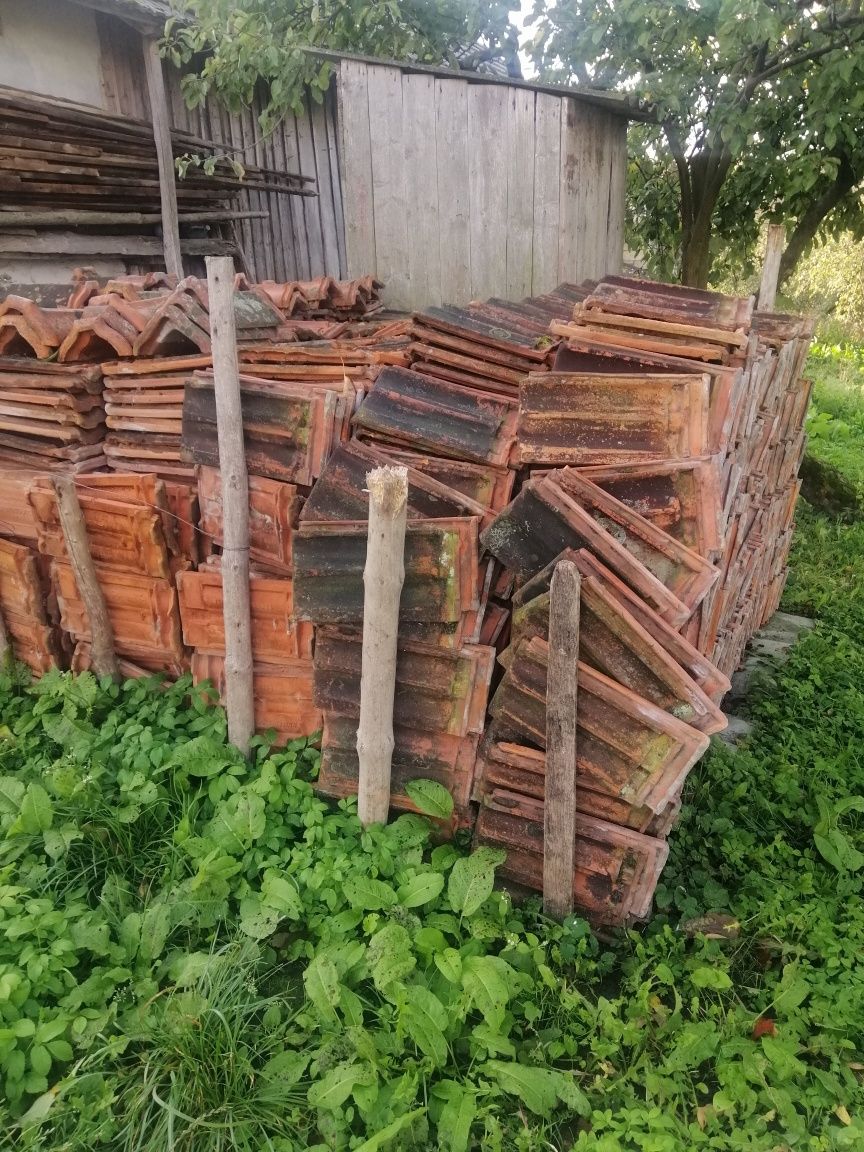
column 447, row 186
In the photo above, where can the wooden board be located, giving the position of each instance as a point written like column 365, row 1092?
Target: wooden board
column 520, row 193
column 451, row 139
column 388, row 184
column 357, row 168
column 487, row 146
column 421, row 185
column 547, row 192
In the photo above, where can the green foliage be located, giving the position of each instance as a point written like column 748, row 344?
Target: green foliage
column 229, row 46
column 830, row 282
column 198, row 953
column 759, row 111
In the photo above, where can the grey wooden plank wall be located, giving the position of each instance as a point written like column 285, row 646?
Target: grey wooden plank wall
column 454, row 190
column 303, row 237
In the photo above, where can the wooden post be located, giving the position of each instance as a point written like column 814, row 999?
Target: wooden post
column 239, row 693
column 559, row 808
column 102, row 652
column 161, row 120
column 383, row 577
column 771, row 268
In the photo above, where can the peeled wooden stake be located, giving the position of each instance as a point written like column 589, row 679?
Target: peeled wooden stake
column 239, row 692
column 559, row 805
column 103, row 656
column 383, row 577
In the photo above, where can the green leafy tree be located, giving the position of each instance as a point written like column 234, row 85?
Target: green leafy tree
column 229, row 46
column 756, row 103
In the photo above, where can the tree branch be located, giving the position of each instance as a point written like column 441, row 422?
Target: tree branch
column 808, row 225
column 676, row 147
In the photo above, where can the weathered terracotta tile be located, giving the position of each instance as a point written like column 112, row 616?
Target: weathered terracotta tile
column 614, row 643
column 543, row 520
column 626, row 746
column 441, row 571
column 274, row 510
column 143, row 612
column 616, row 873
column 283, row 693
column 340, row 491
column 427, row 413
column 682, row 498
column 565, row 418
column 416, row 755
column 276, row 632
column 436, row 690
column 512, row 778
column 122, row 535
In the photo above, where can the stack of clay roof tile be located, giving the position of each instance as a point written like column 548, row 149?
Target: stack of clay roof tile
column 51, row 415
column 647, row 433
column 281, row 644
column 27, row 606
column 325, row 298
column 138, row 547
column 451, row 420
column 712, row 391
column 298, row 402
column 660, row 456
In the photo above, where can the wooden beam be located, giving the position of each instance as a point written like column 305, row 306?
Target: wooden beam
column 239, row 696
column 160, row 117
column 103, row 655
column 77, row 244
column 559, row 806
column 771, row 267
column 79, row 217
column 383, row 577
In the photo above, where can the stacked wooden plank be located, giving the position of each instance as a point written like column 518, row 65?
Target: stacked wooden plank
column 67, row 166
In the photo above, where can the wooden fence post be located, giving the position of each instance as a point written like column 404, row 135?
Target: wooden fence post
column 771, row 268
column 239, row 690
column 559, row 807
column 161, row 121
column 383, row 577
column 102, row 652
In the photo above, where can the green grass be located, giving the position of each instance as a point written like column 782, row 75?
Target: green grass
column 199, row 954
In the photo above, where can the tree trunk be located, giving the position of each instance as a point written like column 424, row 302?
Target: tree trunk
column 696, row 252
column 700, row 178
column 807, row 227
